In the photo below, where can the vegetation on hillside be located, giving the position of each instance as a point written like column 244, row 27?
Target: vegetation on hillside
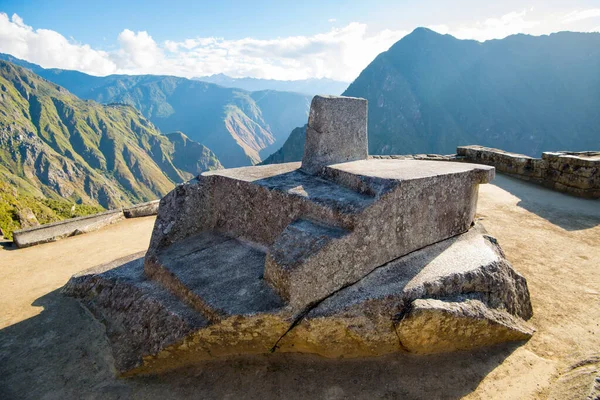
column 56, row 146
column 21, row 209
column 240, row 127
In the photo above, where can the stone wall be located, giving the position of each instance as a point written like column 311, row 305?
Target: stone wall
column 61, row 229
column 76, row 226
column 576, row 173
column 142, row 210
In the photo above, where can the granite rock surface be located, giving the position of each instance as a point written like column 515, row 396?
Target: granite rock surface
column 336, row 132
column 456, row 294
column 340, row 256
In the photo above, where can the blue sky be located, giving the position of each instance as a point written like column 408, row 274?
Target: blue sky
column 268, row 39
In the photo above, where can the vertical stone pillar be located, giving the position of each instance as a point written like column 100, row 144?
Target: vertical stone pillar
column 336, row 132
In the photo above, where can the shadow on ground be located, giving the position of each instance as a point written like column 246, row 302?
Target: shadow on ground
column 569, row 212
column 63, row 353
column 7, row 244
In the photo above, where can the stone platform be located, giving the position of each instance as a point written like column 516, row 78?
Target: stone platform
column 311, row 225
column 457, row 294
column 341, row 256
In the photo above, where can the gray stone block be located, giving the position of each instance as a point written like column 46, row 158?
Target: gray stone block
column 415, row 204
column 206, row 298
column 336, row 132
column 388, row 208
column 61, row 229
column 436, row 326
column 362, row 319
column 141, row 316
column 142, row 210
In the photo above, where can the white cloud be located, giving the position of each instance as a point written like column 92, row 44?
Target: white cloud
column 491, row 28
column 340, row 53
column 443, row 29
column 579, row 15
column 49, row 48
column 331, row 20
column 138, row 50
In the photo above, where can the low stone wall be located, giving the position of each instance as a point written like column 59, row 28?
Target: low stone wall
column 142, row 210
column 76, row 226
column 61, row 229
column 576, row 173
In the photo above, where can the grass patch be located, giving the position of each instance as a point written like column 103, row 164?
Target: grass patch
column 12, row 204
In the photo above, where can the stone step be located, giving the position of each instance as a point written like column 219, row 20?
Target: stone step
column 376, row 177
column 218, row 275
column 257, row 203
column 141, row 317
column 418, row 203
column 462, row 292
column 300, row 241
column 388, row 207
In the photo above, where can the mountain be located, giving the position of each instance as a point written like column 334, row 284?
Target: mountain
column 55, row 146
column 430, row 93
column 191, row 156
column 241, row 127
column 292, row 150
column 307, row 86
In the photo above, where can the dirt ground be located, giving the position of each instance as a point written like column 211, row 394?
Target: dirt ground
column 52, row 348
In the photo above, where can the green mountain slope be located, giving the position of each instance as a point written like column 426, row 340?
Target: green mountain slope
column 56, row 146
column 190, row 156
column 430, row 93
column 18, row 210
column 292, row 150
column 241, row 127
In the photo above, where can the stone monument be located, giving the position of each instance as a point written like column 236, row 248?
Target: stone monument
column 341, row 256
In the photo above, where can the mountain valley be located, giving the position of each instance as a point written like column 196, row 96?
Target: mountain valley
column 56, row 147
column 239, row 126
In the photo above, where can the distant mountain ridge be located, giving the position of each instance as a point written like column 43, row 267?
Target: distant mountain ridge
column 430, row 93
column 526, row 94
column 240, row 127
column 54, row 145
column 311, row 86
column 292, row 150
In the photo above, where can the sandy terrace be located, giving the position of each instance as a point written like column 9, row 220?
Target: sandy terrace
column 52, row 348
